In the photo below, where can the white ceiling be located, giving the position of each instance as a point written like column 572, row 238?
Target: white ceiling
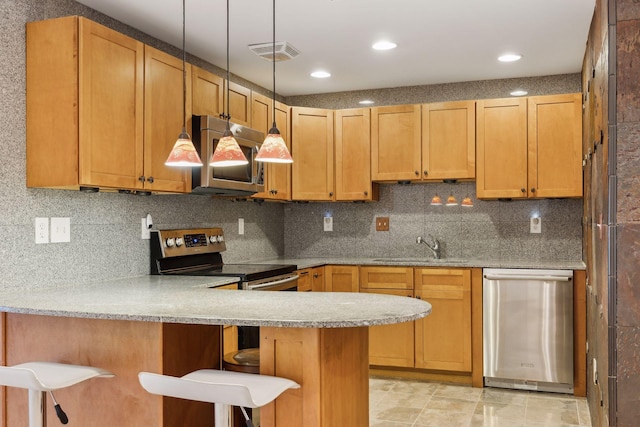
column 439, row 41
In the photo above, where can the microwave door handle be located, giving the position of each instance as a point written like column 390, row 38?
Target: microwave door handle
column 259, row 176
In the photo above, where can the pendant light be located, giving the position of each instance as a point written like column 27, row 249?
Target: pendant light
column 228, row 152
column 183, row 152
column 274, row 149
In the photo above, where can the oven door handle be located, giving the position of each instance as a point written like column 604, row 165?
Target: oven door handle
column 274, row 283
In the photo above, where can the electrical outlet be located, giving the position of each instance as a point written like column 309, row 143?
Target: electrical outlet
column 145, row 232
column 382, row 223
column 328, row 223
column 42, row 230
column 240, row 226
column 60, row 230
column 536, row 225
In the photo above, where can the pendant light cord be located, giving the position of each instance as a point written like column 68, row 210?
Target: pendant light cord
column 273, row 104
column 228, row 113
column 184, row 72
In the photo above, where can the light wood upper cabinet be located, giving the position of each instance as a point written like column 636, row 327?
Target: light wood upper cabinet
column 89, row 91
column 449, row 140
column 353, row 155
column 84, row 122
column 312, row 172
column 529, row 147
column 501, row 148
column 395, row 143
column 443, row 338
column 341, row 278
column 207, row 89
column 555, row 146
column 163, row 119
column 390, row 345
column 239, row 104
column 277, row 177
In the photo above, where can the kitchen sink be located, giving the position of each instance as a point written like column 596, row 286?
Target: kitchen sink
column 421, row 260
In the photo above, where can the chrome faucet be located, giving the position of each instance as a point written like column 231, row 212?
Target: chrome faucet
column 434, row 245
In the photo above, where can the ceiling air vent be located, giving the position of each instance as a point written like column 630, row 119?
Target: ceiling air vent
column 284, row 51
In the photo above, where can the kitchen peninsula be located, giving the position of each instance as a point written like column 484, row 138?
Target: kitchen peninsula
column 172, row 325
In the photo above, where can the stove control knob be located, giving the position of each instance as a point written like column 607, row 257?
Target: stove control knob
column 170, row 242
column 220, row 238
column 179, row 241
column 213, row 239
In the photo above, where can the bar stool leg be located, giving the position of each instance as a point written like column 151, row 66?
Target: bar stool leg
column 222, row 415
column 36, row 408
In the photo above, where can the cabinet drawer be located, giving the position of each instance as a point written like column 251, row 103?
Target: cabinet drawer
column 444, row 279
column 386, row 278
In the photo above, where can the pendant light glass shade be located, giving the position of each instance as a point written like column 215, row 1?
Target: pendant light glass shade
column 274, row 149
column 228, row 152
column 451, row 201
column 467, row 202
column 183, row 152
column 436, row 201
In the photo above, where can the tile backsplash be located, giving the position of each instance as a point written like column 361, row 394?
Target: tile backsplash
column 491, row 230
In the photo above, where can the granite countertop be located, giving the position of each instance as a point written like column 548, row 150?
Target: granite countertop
column 189, row 299
column 428, row 262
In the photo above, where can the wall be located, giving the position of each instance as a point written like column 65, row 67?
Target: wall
column 105, row 228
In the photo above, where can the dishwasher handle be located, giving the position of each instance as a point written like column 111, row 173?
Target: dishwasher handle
column 526, row 277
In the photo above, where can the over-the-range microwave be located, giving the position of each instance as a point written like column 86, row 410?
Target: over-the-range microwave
column 226, row 181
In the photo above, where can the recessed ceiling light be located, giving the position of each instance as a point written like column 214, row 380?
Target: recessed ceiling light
column 366, row 102
column 510, row 57
column 384, row 45
column 320, row 74
column 519, row 93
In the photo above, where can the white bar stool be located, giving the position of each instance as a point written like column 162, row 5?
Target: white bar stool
column 42, row 377
column 222, row 388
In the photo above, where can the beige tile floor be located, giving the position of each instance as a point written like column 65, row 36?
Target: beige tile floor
column 403, row 403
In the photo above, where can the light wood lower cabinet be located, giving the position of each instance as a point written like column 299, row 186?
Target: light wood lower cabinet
column 341, row 278
column 443, row 339
column 311, row 279
column 390, row 345
column 229, row 332
column 440, row 341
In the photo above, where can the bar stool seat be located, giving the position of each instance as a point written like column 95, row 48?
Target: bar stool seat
column 219, row 387
column 42, row 377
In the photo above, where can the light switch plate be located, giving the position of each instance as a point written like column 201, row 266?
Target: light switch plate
column 60, row 230
column 145, row 232
column 240, row 226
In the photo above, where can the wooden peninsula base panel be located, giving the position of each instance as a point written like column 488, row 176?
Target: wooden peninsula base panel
column 122, row 347
column 331, row 365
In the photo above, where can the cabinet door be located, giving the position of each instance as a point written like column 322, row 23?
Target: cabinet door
column 312, row 152
column 555, row 146
column 390, row 345
column 304, row 280
column 395, row 143
column 449, row 140
column 110, row 120
column 163, row 120
column 207, row 93
column 317, row 279
column 239, row 104
column 501, row 126
column 353, row 155
column 443, row 338
column 277, row 177
column 341, row 278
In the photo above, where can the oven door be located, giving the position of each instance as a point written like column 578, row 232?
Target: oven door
column 285, row 282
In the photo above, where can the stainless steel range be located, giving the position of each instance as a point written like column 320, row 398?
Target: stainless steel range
column 197, row 252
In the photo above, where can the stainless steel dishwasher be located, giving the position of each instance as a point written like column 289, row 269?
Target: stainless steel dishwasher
column 528, row 329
